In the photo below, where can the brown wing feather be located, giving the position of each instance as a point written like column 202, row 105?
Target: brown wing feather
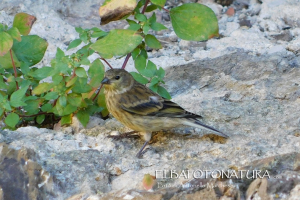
column 143, row 101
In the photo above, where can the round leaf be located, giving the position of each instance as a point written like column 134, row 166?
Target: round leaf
column 24, row 22
column 80, row 72
column 193, row 21
column 12, row 119
column 117, row 43
column 14, row 33
column 31, row 49
column 6, row 43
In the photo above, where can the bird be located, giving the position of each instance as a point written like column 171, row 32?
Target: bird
column 142, row 110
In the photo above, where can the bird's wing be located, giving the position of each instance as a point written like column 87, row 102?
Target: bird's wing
column 143, row 101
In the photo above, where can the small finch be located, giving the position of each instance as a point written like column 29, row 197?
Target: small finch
column 141, row 109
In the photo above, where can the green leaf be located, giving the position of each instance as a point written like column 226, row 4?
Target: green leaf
column 160, row 73
column 84, row 61
column 79, row 30
column 69, row 109
column 140, row 63
column 24, row 22
column 51, row 95
column 96, row 73
column 154, row 87
column 41, row 73
column 67, row 119
column 152, row 42
column 139, row 78
column 46, row 107
column 41, row 88
column 117, row 43
column 194, row 21
column 140, row 17
column 12, row 119
column 133, row 25
column 146, row 28
column 151, row 8
column 74, row 99
column 17, row 97
column 80, row 72
column 62, row 100
column 6, row 62
column 150, row 70
column 56, row 79
column 84, row 37
column 1, row 112
column 6, row 42
column 59, row 54
column 11, row 84
column 30, row 50
column 157, row 26
column 163, row 92
column 72, row 81
column 154, row 81
column 14, row 33
column 32, row 106
column 135, row 53
column 74, row 43
column 81, row 86
column 40, row 119
column 97, row 34
column 160, row 3
column 83, row 117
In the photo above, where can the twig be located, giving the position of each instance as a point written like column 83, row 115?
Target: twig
column 41, row 113
column 98, row 92
column 165, row 9
column 106, row 62
column 145, row 6
column 126, row 60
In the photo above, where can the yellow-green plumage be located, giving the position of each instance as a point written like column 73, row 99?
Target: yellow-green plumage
column 141, row 109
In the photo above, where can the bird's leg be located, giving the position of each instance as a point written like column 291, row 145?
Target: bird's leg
column 124, row 135
column 147, row 138
column 141, row 151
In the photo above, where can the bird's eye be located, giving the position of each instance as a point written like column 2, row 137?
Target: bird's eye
column 117, row 77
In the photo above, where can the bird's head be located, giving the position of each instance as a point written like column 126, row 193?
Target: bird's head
column 117, row 80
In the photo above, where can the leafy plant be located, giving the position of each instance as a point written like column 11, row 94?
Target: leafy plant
column 25, row 96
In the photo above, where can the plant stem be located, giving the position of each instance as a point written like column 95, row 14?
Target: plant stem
column 14, row 66
column 165, row 9
column 126, row 60
column 106, row 62
column 98, row 92
column 145, row 6
column 41, row 113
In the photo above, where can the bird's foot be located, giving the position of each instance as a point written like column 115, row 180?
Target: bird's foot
column 124, row 135
column 142, row 151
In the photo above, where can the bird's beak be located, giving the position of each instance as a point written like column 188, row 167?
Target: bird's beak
column 105, row 81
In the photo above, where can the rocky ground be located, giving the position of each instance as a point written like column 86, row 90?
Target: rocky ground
column 246, row 83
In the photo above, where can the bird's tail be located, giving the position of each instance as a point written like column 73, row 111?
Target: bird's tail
column 197, row 124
